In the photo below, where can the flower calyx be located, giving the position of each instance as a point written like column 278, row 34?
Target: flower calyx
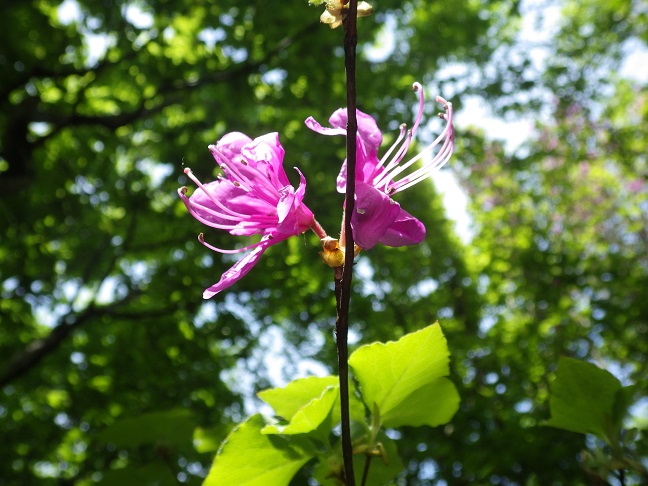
column 336, row 11
column 332, row 254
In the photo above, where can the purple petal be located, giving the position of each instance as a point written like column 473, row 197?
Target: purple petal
column 368, row 130
column 405, row 230
column 373, row 214
column 240, row 268
column 316, row 127
column 266, row 154
column 230, row 145
column 366, row 162
column 341, row 178
column 294, row 217
column 369, row 140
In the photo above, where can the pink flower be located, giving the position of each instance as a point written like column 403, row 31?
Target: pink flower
column 253, row 197
column 377, row 218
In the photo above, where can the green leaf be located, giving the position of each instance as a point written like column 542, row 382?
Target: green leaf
column 389, row 373
column 287, row 401
column 582, row 398
column 248, row 457
column 310, row 416
column 432, row 404
column 310, row 404
column 173, row 426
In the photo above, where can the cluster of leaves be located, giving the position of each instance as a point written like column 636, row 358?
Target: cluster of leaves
column 402, row 383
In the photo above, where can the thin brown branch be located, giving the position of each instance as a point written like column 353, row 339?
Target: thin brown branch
column 343, row 288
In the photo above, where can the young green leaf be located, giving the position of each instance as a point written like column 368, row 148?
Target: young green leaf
column 287, row 401
column 310, row 416
column 390, row 373
column 433, row 404
column 582, row 398
column 249, row 458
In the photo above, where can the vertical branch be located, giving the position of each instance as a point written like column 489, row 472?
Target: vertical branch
column 343, row 286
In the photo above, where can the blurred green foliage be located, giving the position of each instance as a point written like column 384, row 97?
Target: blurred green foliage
column 101, row 277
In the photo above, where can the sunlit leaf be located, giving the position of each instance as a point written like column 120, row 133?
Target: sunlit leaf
column 249, row 458
column 288, row 400
column 309, row 417
column 391, row 376
column 432, row 404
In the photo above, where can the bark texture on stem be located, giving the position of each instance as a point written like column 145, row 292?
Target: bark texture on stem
column 343, row 286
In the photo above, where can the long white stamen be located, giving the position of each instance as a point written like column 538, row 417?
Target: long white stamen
column 234, row 215
column 256, row 218
column 387, row 177
column 201, row 239
column 447, row 136
column 401, row 135
column 417, row 176
column 444, row 135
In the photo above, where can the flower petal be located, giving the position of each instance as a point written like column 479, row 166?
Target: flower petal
column 373, row 215
column 405, row 230
column 368, row 130
column 241, row 268
column 294, row 217
column 266, row 154
column 230, row 145
column 316, row 127
column 369, row 140
column 366, row 163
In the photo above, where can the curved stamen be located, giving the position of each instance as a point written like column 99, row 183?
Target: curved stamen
column 198, row 216
column 201, row 239
column 208, row 193
column 254, row 218
column 401, row 135
column 447, row 135
column 401, row 152
column 386, row 178
column 418, row 88
column 424, row 172
column 224, row 163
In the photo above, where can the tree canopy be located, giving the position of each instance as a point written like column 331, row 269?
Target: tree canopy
column 117, row 372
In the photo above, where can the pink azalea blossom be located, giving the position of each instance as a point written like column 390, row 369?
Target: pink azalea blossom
column 253, row 197
column 377, row 218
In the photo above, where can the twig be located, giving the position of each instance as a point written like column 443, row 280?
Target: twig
column 365, row 473
column 343, row 286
